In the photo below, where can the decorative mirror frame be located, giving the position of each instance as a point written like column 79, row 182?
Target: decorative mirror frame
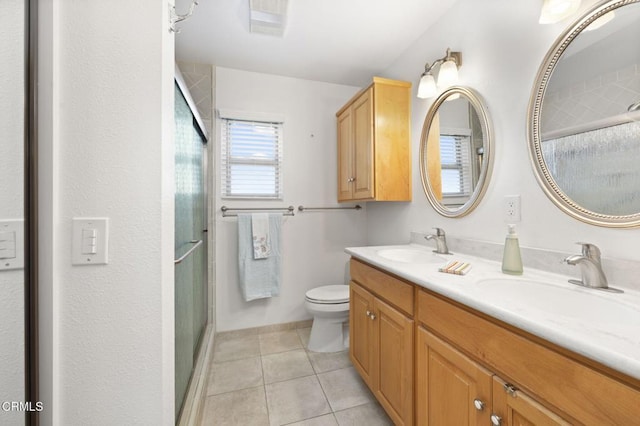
column 483, row 180
column 542, row 173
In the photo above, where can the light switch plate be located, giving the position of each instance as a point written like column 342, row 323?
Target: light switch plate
column 16, row 226
column 89, row 224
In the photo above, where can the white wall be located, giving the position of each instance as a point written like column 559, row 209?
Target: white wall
column 106, row 123
column 11, row 202
column 313, row 243
column 502, row 46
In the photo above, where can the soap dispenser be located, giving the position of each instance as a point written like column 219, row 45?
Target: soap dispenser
column 511, row 260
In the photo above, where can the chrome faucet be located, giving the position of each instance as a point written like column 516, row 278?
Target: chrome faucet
column 441, row 241
column 591, row 268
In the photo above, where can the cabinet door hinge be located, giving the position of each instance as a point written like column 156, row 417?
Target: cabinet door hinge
column 510, row 389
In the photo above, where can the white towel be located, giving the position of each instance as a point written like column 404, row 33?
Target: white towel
column 259, row 278
column 260, row 235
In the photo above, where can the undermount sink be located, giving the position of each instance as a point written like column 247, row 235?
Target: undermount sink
column 554, row 299
column 409, row 255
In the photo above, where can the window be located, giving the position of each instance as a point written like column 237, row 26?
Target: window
column 251, row 159
column 455, row 160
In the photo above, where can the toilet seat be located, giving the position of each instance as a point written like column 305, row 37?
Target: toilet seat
column 328, row 295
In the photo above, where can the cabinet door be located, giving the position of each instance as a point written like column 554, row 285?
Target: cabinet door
column 449, row 385
column 345, row 155
column 361, row 337
column 394, row 336
column 363, row 146
column 514, row 408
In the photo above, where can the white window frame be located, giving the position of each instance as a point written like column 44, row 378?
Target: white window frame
column 463, row 165
column 227, row 160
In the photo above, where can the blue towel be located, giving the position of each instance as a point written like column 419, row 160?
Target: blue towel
column 259, row 278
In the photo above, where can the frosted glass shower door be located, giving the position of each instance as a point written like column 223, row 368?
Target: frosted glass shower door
column 190, row 246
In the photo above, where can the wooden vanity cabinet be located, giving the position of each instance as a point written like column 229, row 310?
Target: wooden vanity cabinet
column 381, row 338
column 452, row 389
column 548, row 385
column 374, row 143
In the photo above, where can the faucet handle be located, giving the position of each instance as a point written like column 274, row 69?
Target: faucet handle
column 590, row 251
column 439, row 232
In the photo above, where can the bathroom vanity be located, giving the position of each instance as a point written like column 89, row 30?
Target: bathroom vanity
column 437, row 348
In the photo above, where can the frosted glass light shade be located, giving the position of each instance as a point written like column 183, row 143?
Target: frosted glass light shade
column 556, row 10
column 448, row 75
column 427, row 87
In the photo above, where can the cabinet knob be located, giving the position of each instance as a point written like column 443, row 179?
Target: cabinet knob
column 372, row 316
column 351, row 179
column 369, row 314
column 478, row 404
column 496, row 420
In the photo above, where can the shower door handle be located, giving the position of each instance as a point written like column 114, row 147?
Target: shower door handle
column 191, row 250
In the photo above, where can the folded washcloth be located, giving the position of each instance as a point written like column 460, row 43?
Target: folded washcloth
column 456, row 267
column 260, row 235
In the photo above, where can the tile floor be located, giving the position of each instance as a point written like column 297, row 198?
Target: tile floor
column 270, row 378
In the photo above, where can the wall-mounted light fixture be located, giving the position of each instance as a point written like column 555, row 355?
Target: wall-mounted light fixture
column 447, row 76
column 556, row 10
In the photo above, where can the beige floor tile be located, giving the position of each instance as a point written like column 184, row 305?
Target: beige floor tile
column 233, row 348
column 326, row 420
column 304, row 334
column 367, row 414
column 280, row 341
column 295, row 400
column 323, row 362
column 234, row 375
column 344, row 389
column 286, row 366
column 243, row 407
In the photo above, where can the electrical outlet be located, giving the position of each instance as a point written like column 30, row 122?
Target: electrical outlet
column 512, row 208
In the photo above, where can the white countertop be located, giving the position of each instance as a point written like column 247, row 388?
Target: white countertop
column 580, row 319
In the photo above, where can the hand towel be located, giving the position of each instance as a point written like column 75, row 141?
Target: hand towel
column 260, row 235
column 259, row 278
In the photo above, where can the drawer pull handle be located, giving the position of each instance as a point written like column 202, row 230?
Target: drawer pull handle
column 496, row 420
column 510, row 389
column 478, row 404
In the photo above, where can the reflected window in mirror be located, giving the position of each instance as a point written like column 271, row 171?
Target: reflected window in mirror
column 455, row 141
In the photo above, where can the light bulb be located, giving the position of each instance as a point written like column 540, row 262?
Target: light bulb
column 427, row 86
column 448, row 75
column 556, row 10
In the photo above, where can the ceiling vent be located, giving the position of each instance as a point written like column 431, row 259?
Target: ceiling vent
column 268, row 16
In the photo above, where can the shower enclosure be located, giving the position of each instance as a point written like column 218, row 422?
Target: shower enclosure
column 190, row 241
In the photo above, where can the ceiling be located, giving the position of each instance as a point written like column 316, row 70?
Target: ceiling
column 336, row 41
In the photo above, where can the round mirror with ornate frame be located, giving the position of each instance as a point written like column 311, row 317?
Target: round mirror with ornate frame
column 583, row 128
column 456, row 152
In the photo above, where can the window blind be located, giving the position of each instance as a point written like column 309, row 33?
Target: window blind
column 251, row 159
column 455, row 158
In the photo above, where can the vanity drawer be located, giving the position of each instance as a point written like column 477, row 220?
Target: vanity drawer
column 553, row 375
column 383, row 285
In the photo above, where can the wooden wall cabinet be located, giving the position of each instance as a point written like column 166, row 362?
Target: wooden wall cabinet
column 374, row 143
column 381, row 340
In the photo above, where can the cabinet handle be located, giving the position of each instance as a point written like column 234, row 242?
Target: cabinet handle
column 372, row 316
column 369, row 314
column 496, row 420
column 478, row 404
column 351, row 179
column 510, row 389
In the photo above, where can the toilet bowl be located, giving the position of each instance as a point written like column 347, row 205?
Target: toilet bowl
column 329, row 306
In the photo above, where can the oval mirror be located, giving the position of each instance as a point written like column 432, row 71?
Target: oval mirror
column 456, row 153
column 583, row 128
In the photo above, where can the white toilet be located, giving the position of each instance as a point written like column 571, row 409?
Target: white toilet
column 329, row 306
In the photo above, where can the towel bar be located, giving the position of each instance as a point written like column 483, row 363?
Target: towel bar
column 286, row 211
